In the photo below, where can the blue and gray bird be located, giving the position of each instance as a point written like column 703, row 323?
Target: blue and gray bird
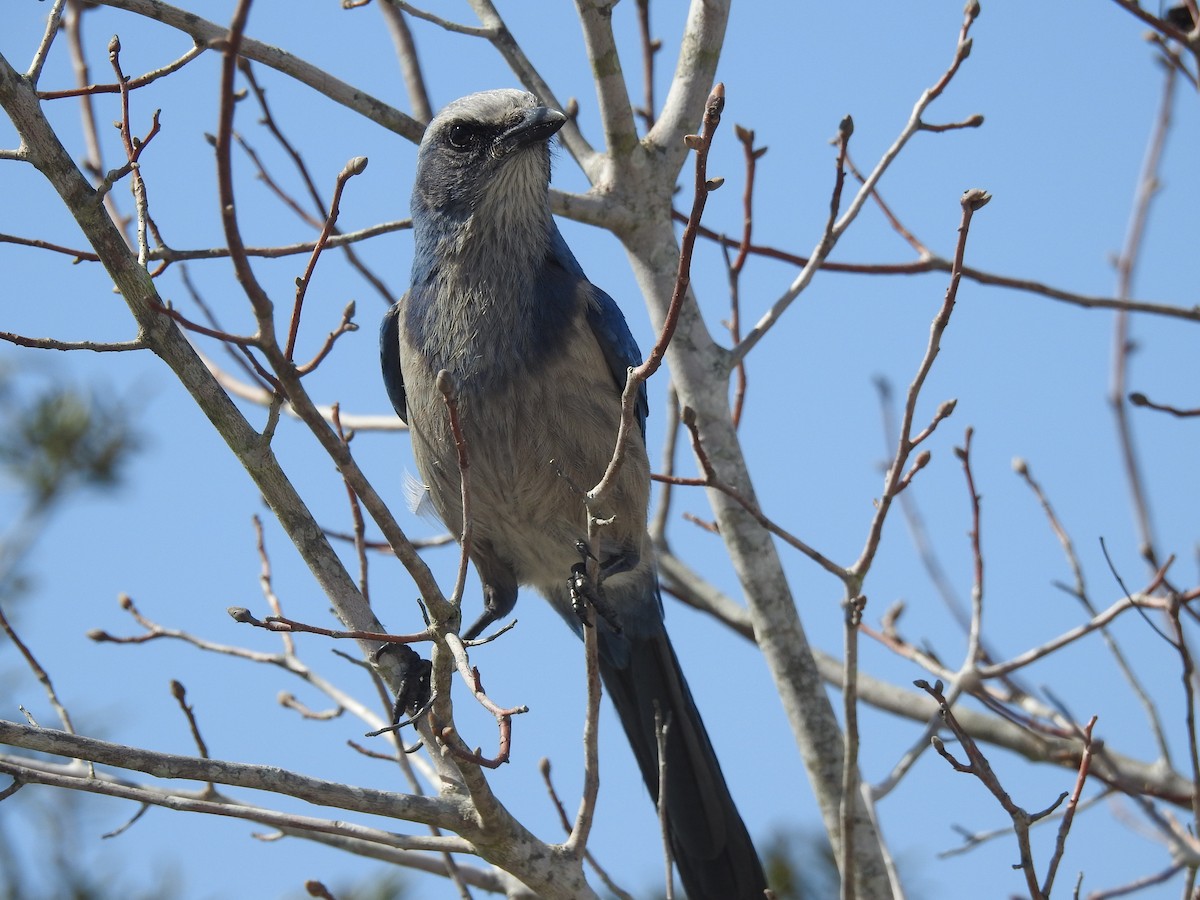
column 539, row 356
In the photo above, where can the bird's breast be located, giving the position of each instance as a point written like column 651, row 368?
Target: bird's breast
column 539, row 432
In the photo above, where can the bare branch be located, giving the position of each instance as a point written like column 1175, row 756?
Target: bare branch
column 34, row 72
column 38, row 671
column 1126, row 264
column 211, row 34
column 53, row 344
column 425, row 810
column 410, row 66
column 128, row 84
column 832, row 234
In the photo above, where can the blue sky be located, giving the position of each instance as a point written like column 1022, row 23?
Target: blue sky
column 1069, row 92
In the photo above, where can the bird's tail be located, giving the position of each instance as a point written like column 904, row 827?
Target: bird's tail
column 710, row 843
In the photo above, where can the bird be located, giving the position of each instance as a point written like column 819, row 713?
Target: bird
column 538, row 357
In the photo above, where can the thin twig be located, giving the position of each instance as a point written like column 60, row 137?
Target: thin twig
column 601, row 873
column 180, row 694
column 971, row 201
column 638, row 375
column 832, row 234
column 1060, row 842
column 410, row 65
column 266, row 583
column 1147, row 188
column 581, row 829
column 318, row 204
column 974, row 653
column 356, row 516
column 356, row 166
column 34, row 72
column 449, row 392
column 1139, row 399
column 133, row 151
column 53, row 344
column 750, row 155
column 712, row 480
column 445, row 24
column 979, row 766
column 1079, row 591
column 662, row 728
column 650, row 46
column 39, row 673
column 852, row 619
column 130, row 84
column 935, row 263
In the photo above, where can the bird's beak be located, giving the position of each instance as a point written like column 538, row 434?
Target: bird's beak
column 535, row 125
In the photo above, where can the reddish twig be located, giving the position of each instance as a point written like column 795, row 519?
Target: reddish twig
column 345, row 326
column 833, row 232
column 93, row 160
column 977, row 764
column 133, row 151
column 650, row 47
column 751, row 155
column 76, row 255
column 268, row 120
column 179, row 692
column 1060, row 843
column 259, row 301
column 352, row 168
column 712, row 480
column 893, row 220
column 503, row 715
column 291, row 626
column 936, row 263
column 244, row 343
column 128, row 84
column 970, row 202
column 639, row 374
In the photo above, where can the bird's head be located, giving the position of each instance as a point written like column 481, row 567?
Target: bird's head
column 486, row 151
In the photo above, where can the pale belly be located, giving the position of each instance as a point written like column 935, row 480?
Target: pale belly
column 534, row 447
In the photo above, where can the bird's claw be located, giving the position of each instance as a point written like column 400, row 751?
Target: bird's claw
column 414, row 684
column 582, row 593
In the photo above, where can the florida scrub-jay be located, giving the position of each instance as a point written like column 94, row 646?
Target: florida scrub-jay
column 539, row 357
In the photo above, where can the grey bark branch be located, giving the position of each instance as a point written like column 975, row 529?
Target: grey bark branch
column 442, row 812
column 700, row 369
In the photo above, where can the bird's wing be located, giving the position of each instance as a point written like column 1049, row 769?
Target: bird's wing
column 608, row 325
column 389, row 357
column 616, row 341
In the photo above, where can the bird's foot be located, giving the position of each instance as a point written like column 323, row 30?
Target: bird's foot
column 414, row 681
column 583, row 593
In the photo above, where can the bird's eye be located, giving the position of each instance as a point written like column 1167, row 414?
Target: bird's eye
column 461, row 137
